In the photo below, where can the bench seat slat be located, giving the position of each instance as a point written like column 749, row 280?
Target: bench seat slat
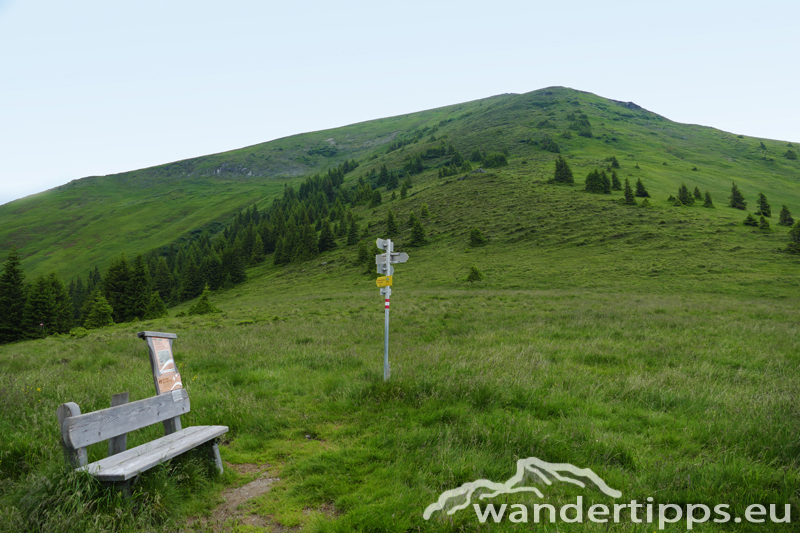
column 90, row 428
column 128, row 464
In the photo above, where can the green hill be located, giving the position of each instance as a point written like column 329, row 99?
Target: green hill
column 88, row 221
column 657, row 346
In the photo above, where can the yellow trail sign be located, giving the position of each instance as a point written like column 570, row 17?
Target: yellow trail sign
column 385, row 281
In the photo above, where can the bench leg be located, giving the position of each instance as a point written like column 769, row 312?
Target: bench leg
column 216, row 457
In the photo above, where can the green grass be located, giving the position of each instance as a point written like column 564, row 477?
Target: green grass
column 658, row 347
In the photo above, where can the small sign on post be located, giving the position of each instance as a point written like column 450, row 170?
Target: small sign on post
column 384, row 263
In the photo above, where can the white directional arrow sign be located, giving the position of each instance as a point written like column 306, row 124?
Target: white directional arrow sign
column 397, row 257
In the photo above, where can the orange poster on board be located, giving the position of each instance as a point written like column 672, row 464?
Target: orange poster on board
column 167, row 374
column 169, row 382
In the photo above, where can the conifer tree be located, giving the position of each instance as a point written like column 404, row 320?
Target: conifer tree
column 138, row 289
column 62, row 305
column 615, row 184
column 39, row 309
column 233, row 269
column 363, row 257
column 562, row 174
column 629, row 198
column 708, row 202
column 476, row 238
column 750, row 220
column 203, row 305
column 100, row 313
column 192, row 283
column 257, row 256
column 162, row 279
column 736, row 199
column 404, row 191
column 697, row 194
column 327, row 241
column 785, row 217
column 614, row 162
column 763, row 224
column 606, row 182
column 763, row 206
column 474, row 274
column 115, row 288
column 12, row 298
column 277, row 257
column 641, row 192
column 394, row 181
column 424, row 212
column 376, row 198
column 391, row 225
column 352, row 234
column 418, row 234
column 685, row 196
column 211, row 271
column 155, row 307
column 794, row 236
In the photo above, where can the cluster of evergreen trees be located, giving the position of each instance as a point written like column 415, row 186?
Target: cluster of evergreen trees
column 31, row 310
column 689, row 198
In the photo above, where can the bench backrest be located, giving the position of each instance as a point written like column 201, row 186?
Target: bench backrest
column 81, row 430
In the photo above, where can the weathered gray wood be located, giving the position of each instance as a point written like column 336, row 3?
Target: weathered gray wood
column 143, row 334
column 119, row 443
column 172, row 425
column 83, row 430
column 131, row 463
column 74, row 456
column 216, row 457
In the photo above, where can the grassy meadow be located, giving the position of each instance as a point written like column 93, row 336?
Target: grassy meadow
column 657, row 346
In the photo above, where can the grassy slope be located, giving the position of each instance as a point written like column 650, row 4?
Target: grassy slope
column 656, row 346
column 88, row 221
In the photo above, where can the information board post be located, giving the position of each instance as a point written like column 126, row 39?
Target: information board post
column 165, row 372
column 384, row 264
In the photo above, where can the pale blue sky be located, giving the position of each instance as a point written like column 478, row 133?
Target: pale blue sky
column 94, row 87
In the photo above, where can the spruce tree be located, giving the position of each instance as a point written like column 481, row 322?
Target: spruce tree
column 785, row 217
column 474, row 274
column 708, row 202
column 352, row 233
column 233, row 269
column 327, row 241
column 750, row 220
column 211, row 271
column 615, row 184
column 736, row 199
column 641, row 192
column 192, row 283
column 257, row 256
column 794, row 236
column 376, row 198
column 763, row 206
column 614, row 162
column 393, row 182
column 39, row 309
column 606, row 182
column 404, row 191
column 162, row 279
column 203, row 305
column 763, row 224
column 12, row 298
column 685, row 196
column 363, row 258
column 476, row 238
column 155, row 307
column 115, row 288
column 277, row 257
column 563, row 174
column 593, row 182
column 138, row 289
column 63, row 310
column 391, row 225
column 629, row 198
column 697, row 194
column 418, row 234
column 424, row 212
column 100, row 313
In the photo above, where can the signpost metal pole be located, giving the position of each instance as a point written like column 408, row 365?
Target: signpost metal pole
column 386, row 371
column 384, row 262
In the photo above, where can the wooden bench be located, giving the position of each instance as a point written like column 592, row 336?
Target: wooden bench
column 113, row 424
